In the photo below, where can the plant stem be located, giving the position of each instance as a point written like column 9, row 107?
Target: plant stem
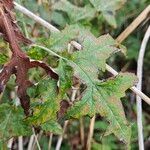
column 139, row 86
column 20, row 139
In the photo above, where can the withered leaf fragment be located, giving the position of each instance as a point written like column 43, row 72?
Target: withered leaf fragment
column 20, row 62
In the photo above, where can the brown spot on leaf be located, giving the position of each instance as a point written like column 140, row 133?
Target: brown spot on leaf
column 64, row 105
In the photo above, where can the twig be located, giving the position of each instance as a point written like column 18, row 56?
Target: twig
column 139, row 86
column 90, row 135
column 75, row 44
column 143, row 15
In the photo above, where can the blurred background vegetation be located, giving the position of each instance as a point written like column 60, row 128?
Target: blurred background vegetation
column 80, row 12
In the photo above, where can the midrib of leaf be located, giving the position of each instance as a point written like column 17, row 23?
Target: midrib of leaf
column 70, row 61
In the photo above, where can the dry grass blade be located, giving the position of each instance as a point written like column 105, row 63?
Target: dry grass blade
column 143, row 15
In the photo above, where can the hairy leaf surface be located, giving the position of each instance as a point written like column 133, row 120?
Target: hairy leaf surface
column 99, row 97
column 12, row 122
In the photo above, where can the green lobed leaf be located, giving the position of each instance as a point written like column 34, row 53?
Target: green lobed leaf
column 74, row 12
column 104, row 98
column 108, row 9
column 12, row 122
column 100, row 97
